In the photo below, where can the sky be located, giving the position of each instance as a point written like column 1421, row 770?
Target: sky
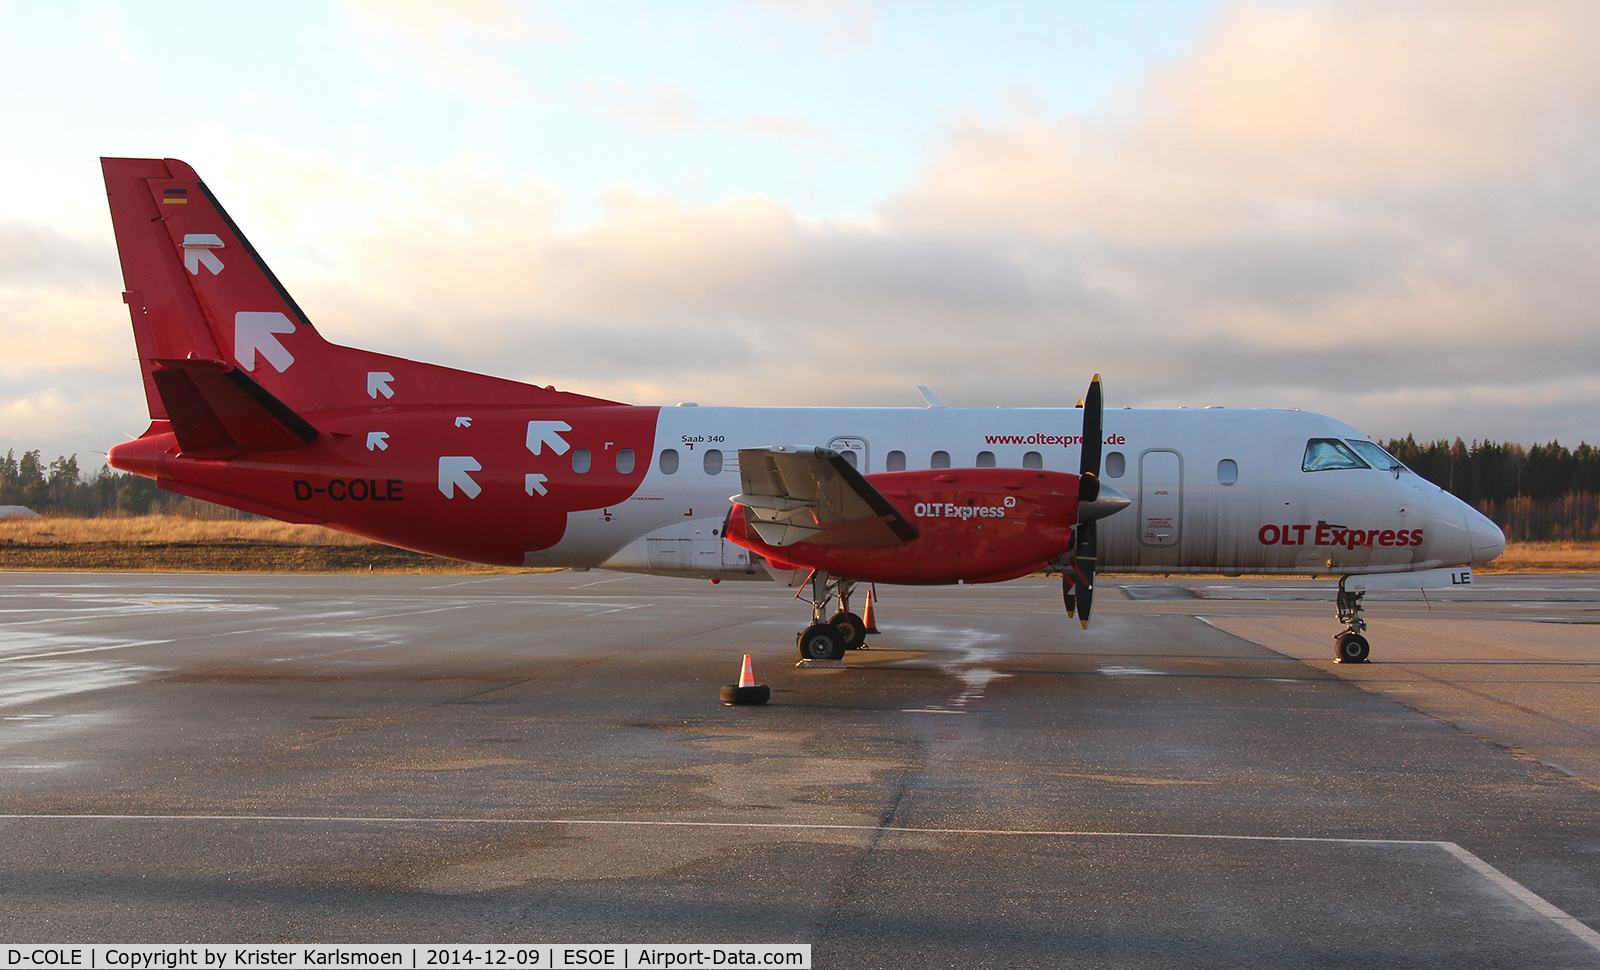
column 1383, row 210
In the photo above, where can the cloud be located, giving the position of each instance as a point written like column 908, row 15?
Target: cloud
column 1382, row 211
column 1385, row 212
column 35, row 257
column 465, row 43
column 792, row 130
column 844, row 22
column 663, row 107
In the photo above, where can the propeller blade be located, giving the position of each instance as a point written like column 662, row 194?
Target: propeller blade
column 1093, row 432
column 1067, row 597
column 1090, row 509
column 1084, row 563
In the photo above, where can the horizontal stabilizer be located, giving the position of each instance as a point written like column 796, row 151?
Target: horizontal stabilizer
column 813, row 495
column 217, row 409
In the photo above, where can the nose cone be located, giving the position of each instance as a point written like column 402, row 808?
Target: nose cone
column 1487, row 539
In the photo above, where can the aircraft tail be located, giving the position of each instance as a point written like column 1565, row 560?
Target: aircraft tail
column 198, row 292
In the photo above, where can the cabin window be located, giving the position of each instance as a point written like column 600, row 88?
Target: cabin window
column 1375, row 456
column 1327, row 454
column 713, row 461
column 581, row 460
column 985, row 459
column 1227, row 472
column 625, row 461
column 896, row 462
column 940, row 459
column 849, row 458
column 669, row 461
column 1116, row 464
column 1033, row 460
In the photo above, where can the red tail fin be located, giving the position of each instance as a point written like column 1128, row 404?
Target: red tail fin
column 196, row 288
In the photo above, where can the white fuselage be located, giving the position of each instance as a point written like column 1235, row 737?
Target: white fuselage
column 1212, row 490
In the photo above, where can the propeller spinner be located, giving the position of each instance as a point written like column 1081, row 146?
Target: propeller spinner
column 1095, row 502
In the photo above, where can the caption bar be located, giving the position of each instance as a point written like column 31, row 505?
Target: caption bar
column 295, row 956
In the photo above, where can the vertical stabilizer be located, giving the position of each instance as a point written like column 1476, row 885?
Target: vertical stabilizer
column 196, row 288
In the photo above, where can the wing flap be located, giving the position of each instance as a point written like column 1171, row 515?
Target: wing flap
column 813, row 495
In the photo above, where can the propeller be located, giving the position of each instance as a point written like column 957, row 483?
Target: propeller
column 1095, row 502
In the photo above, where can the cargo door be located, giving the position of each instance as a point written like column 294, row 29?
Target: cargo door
column 669, row 553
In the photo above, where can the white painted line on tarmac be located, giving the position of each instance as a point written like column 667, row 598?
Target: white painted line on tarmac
column 1524, row 895
column 1495, row 877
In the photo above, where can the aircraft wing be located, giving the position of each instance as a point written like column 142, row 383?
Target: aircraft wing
column 813, row 495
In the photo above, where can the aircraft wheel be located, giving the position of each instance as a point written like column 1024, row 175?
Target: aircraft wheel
column 851, row 630
column 820, row 641
column 1351, row 648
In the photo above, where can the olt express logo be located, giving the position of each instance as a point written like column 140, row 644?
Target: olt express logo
column 353, row 490
column 950, row 510
column 1324, row 534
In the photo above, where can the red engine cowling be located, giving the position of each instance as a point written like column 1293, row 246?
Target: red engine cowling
column 975, row 525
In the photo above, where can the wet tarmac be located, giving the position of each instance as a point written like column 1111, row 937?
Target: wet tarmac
column 1191, row 782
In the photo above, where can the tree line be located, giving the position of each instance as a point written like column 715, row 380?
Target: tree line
column 60, row 487
column 1542, row 492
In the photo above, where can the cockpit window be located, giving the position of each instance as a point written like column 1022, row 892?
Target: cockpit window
column 1326, row 454
column 1375, row 455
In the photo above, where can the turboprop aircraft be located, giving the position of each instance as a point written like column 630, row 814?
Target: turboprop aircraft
column 252, row 408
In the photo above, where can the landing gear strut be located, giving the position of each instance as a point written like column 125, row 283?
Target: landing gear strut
column 1349, row 646
column 827, row 638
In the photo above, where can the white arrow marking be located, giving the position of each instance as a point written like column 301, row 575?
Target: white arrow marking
column 541, row 433
column 254, row 331
column 378, row 383
column 535, row 483
column 379, row 440
column 463, row 422
column 453, row 474
column 197, row 252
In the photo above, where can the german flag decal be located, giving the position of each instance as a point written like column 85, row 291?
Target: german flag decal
column 174, row 196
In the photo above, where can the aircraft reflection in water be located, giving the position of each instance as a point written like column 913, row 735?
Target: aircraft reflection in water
column 250, row 407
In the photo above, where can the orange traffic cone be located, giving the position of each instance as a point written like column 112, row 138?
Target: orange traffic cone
column 746, row 691
column 868, row 619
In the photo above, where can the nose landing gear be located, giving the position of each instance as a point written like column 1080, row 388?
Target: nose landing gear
column 1349, row 646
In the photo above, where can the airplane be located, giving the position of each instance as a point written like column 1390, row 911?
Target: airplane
column 250, row 407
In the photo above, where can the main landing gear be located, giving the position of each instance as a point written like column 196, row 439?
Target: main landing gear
column 829, row 639
column 1349, row 646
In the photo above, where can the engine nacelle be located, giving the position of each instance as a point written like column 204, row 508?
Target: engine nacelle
column 975, row 525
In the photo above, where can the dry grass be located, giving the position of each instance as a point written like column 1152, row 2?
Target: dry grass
column 169, row 528
column 1545, row 557
column 170, row 543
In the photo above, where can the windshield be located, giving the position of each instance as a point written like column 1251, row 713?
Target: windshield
column 1376, row 456
column 1326, row 454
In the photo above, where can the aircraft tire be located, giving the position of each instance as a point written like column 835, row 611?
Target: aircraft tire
column 852, row 630
column 820, row 641
column 734, row 694
column 1351, row 648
